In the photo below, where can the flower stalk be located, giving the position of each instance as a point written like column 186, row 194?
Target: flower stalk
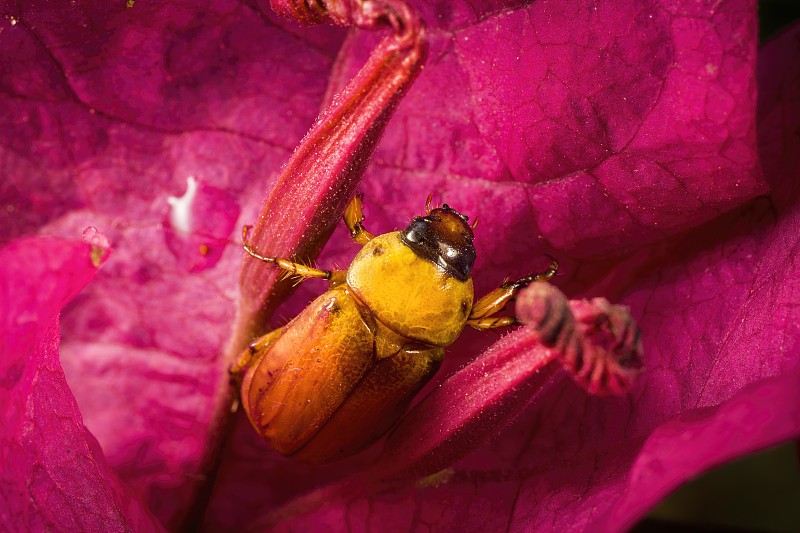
column 318, row 181
column 322, row 175
column 597, row 343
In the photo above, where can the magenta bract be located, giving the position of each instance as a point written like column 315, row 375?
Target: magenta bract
column 613, row 136
column 54, row 474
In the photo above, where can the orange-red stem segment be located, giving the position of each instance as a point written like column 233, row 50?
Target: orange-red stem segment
column 321, row 177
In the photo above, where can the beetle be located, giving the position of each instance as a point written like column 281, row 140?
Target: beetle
column 341, row 373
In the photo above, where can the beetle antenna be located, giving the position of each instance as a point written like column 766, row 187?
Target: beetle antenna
column 474, row 223
column 428, row 204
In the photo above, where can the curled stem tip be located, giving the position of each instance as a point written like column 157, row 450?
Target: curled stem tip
column 395, row 14
column 597, row 342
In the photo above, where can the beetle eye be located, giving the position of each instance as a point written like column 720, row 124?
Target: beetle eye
column 418, row 231
column 440, row 238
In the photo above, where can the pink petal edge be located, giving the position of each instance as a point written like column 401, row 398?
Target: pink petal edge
column 55, row 476
column 198, row 122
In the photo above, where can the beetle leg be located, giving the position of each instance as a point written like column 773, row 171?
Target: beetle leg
column 253, row 354
column 492, row 322
column 292, row 268
column 353, row 217
column 495, row 301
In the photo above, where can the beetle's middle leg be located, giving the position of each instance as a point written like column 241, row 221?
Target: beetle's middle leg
column 494, row 302
column 353, row 217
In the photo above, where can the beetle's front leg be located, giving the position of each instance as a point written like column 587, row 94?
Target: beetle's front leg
column 253, row 354
column 494, row 302
column 334, row 277
column 250, row 357
column 353, row 217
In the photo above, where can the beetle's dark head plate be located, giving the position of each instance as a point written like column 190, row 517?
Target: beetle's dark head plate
column 443, row 237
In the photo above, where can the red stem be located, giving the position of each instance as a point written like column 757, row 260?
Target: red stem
column 322, row 175
column 470, row 407
column 597, row 343
column 316, row 184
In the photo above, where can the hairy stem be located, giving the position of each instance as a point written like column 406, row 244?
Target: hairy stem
column 315, row 185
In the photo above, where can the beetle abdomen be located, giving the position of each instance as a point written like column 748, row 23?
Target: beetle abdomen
column 334, row 381
column 378, row 401
column 310, row 370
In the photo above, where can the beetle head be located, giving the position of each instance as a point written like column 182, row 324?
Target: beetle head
column 444, row 237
